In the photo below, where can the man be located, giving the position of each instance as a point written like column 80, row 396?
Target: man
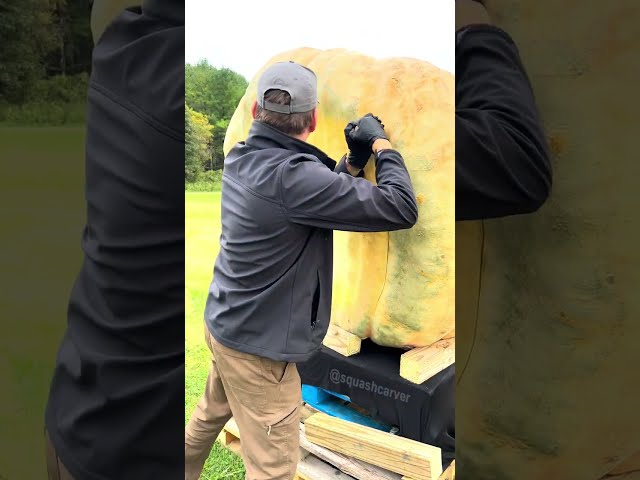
column 117, row 395
column 270, row 298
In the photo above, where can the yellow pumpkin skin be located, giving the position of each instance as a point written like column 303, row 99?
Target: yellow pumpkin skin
column 396, row 288
column 550, row 389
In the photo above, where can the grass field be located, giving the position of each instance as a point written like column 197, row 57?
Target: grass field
column 42, row 212
column 202, row 233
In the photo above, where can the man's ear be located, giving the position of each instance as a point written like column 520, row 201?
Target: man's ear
column 314, row 121
column 254, row 108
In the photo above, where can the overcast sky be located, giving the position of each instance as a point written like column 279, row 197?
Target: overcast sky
column 243, row 34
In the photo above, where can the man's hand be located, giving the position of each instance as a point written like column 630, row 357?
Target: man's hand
column 358, row 153
column 364, row 137
column 469, row 12
column 364, row 134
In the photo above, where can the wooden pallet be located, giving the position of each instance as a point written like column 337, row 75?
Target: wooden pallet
column 401, row 455
column 417, row 365
column 321, row 463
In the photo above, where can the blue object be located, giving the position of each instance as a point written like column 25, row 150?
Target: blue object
column 329, row 402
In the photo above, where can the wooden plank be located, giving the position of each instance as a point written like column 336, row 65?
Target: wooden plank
column 230, row 437
column 225, row 438
column 341, row 341
column 420, row 364
column 232, row 427
column 397, row 454
column 449, row 473
column 235, row 446
column 350, row 466
column 312, row 468
column 307, row 411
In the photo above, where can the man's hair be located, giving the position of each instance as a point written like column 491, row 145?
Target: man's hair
column 292, row 123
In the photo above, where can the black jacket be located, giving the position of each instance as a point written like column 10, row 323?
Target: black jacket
column 117, row 394
column 502, row 157
column 281, row 200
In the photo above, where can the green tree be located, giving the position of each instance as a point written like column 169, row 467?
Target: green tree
column 217, row 142
column 26, row 33
column 197, row 135
column 215, row 92
column 71, row 50
column 191, row 168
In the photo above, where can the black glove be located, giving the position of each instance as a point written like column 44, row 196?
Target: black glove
column 358, row 153
column 360, row 136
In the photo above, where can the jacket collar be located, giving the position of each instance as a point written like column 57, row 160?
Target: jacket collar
column 263, row 136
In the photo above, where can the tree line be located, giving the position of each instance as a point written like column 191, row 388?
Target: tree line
column 211, row 96
column 45, row 63
column 45, row 60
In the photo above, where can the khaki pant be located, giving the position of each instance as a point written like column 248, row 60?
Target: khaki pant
column 55, row 469
column 264, row 397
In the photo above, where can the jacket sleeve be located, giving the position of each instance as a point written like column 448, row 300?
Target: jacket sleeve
column 315, row 196
column 341, row 167
column 502, row 158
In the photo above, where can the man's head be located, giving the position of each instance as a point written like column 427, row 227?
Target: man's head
column 287, row 99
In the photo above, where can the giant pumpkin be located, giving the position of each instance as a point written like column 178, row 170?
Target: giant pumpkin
column 550, row 301
column 396, row 288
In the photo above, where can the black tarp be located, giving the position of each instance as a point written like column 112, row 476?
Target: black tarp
column 371, row 380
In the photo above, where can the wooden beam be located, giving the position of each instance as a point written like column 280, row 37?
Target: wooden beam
column 312, row 468
column 391, row 452
column 350, row 466
column 225, row 438
column 232, row 427
column 306, row 411
column 449, row 473
column 230, row 437
column 420, row 364
column 341, row 341
column 235, row 446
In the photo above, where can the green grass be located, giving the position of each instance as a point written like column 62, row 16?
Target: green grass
column 43, row 114
column 202, row 234
column 42, row 211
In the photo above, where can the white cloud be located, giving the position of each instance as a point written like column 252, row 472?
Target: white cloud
column 243, row 34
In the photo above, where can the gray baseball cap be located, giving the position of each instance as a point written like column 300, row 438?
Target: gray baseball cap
column 295, row 79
